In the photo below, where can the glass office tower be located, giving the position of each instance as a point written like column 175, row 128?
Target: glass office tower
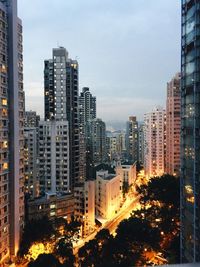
column 190, row 132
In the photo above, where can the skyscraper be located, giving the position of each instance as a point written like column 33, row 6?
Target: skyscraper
column 132, row 139
column 173, row 126
column 87, row 108
column 190, row 132
column 141, row 143
column 154, row 142
column 11, row 128
column 96, row 138
column 87, row 112
column 61, row 101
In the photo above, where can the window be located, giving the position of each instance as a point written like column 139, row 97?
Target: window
column 5, row 166
column 4, row 102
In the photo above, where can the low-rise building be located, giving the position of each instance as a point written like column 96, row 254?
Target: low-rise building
column 127, row 173
column 51, row 205
column 108, row 194
column 84, row 194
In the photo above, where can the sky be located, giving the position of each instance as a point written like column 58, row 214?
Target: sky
column 127, row 50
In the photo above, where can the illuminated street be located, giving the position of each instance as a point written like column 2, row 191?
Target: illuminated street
column 124, row 213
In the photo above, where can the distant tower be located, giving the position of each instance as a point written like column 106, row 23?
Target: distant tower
column 87, row 108
column 173, row 126
column 96, row 139
column 141, row 143
column 154, row 142
column 132, row 139
column 61, row 101
column 87, row 112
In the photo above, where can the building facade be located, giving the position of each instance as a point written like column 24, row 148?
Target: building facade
column 84, row 194
column 87, row 108
column 173, row 126
column 54, row 158
column 61, row 101
column 96, row 141
column 141, row 143
column 31, row 162
column 51, row 205
column 190, row 132
column 108, row 194
column 87, row 112
column 154, row 142
column 132, row 139
column 31, row 119
column 11, row 130
column 127, row 173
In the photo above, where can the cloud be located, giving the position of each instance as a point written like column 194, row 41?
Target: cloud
column 118, row 109
column 126, row 49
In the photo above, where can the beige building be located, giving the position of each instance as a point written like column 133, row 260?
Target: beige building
column 127, row 173
column 108, row 194
column 154, row 142
column 52, row 205
column 173, row 126
column 84, row 194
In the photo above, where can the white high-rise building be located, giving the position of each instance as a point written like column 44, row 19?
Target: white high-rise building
column 54, row 156
column 154, row 142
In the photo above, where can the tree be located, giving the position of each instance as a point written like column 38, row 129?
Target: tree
column 45, row 260
column 40, row 230
column 139, row 232
column 64, row 250
column 165, row 189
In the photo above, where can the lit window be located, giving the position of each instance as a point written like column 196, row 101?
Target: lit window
column 52, row 213
column 4, row 102
column 5, row 166
column 5, row 144
column 4, row 112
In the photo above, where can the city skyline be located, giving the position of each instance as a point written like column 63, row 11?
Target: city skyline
column 133, row 54
column 76, row 189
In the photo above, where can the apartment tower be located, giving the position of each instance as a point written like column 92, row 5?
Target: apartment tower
column 154, row 142
column 54, row 157
column 190, row 132
column 87, row 112
column 132, row 139
column 61, row 101
column 11, row 130
column 173, row 126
